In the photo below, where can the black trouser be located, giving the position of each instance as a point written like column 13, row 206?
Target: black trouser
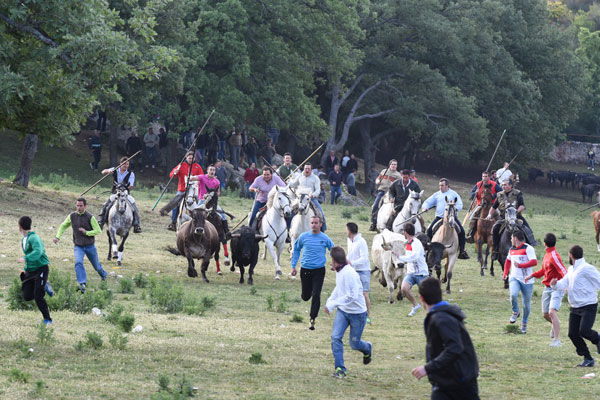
column 467, row 391
column 581, row 320
column 97, row 154
column 312, row 283
column 461, row 232
column 34, row 287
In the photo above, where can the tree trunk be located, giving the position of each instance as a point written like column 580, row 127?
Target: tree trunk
column 369, row 149
column 27, row 156
column 114, row 145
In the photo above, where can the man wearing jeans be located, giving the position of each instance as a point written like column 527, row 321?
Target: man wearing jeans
column 358, row 255
column 520, row 262
column 313, row 246
column 552, row 267
column 416, row 266
column 85, row 227
column 582, row 281
column 347, row 296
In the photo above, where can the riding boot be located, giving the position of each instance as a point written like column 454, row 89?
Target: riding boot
column 136, row 219
column 495, row 243
column 469, row 238
column 390, row 222
column 226, row 229
column 103, row 214
column 461, row 245
column 529, row 235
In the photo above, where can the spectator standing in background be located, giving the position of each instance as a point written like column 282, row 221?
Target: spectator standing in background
column 212, row 148
column 221, row 135
column 235, row 141
column 413, row 175
column 133, row 145
column 351, row 182
column 222, row 176
column 330, row 161
column 335, row 180
column 249, row 176
column 352, row 164
column 151, row 141
column 251, row 149
column 96, row 147
column 101, row 121
column 201, row 143
column 163, row 145
column 274, row 135
column 268, row 151
column 591, row 157
column 344, row 164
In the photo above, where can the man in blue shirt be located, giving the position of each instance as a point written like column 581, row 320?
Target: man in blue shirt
column 438, row 200
column 314, row 246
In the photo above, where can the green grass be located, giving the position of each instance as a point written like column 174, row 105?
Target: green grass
column 212, row 349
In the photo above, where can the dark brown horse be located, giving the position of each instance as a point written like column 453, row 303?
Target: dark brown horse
column 483, row 235
column 596, row 216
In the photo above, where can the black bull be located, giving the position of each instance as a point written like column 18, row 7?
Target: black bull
column 244, row 251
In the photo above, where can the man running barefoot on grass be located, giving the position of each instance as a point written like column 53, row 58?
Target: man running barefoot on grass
column 348, row 297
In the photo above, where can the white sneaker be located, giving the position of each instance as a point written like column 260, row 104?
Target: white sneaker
column 513, row 317
column 414, row 310
column 556, row 343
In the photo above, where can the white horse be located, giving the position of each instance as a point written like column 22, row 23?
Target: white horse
column 409, row 212
column 188, row 203
column 301, row 221
column 274, row 227
column 119, row 221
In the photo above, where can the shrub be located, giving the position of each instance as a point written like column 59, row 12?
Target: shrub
column 364, row 218
column 208, row 302
column 296, row 318
column 140, row 280
column 44, row 334
column 347, row 213
column 165, row 296
column 269, row 303
column 253, row 290
column 256, row 358
column 126, row 286
column 93, row 340
column 17, row 375
column 117, row 340
column 163, row 382
column 126, row 322
column 115, row 314
column 512, row 329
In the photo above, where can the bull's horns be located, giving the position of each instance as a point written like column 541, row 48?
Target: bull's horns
column 260, row 237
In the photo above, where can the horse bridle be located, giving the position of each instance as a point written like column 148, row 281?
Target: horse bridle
column 280, row 212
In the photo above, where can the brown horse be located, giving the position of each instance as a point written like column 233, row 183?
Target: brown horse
column 483, row 235
column 596, row 217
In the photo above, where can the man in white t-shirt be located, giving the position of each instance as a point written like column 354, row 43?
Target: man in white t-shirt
column 503, row 174
column 347, row 297
column 519, row 263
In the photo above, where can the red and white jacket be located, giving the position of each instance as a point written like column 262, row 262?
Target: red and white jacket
column 524, row 256
column 552, row 267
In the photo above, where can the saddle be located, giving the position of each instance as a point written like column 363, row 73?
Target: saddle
column 259, row 217
column 437, row 226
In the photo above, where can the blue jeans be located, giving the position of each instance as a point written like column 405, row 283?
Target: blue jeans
column 175, row 210
column 526, row 289
column 222, row 185
column 200, row 157
column 235, row 156
column 221, row 151
column 151, row 154
column 318, row 205
column 252, row 159
column 591, row 163
column 249, row 194
column 336, row 191
column 92, row 255
column 340, row 324
column 257, row 205
column 380, row 194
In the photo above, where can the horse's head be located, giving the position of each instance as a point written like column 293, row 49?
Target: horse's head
column 211, row 198
column 414, row 201
column 486, row 194
column 198, row 219
column 450, row 212
column 282, row 202
column 303, row 200
column 191, row 196
column 122, row 193
column 511, row 215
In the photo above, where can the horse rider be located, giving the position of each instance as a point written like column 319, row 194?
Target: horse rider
column 476, row 194
column 121, row 177
column 208, row 183
column 438, row 200
column 384, row 181
column 287, row 167
column 399, row 191
column 504, row 173
column 312, row 182
column 182, row 170
column 262, row 186
column 503, row 199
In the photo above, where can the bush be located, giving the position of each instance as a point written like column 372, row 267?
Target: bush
column 126, row 322
column 347, row 213
column 115, row 314
column 140, row 280
column 93, row 340
column 512, row 329
column 256, row 358
column 44, row 334
column 169, row 298
column 269, row 303
column 117, row 340
column 126, row 286
column 296, row 318
column 363, row 217
column 17, row 375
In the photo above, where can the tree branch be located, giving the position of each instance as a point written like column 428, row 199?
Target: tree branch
column 39, row 35
column 378, row 114
column 429, row 117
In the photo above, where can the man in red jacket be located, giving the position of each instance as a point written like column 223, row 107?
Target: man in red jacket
column 181, row 171
column 476, row 194
column 552, row 267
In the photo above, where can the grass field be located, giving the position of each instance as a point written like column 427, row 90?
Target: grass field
column 212, row 351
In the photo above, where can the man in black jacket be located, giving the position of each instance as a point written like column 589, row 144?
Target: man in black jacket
column 399, row 191
column 452, row 366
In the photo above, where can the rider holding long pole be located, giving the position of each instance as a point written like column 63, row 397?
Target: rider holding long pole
column 262, row 186
column 121, row 177
column 384, row 180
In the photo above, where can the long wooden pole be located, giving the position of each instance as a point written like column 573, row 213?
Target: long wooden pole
column 101, row 179
column 487, row 169
column 184, row 157
column 303, row 162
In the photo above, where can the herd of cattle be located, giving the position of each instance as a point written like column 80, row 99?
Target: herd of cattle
column 589, row 184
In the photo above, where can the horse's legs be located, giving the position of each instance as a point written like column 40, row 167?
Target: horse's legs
column 274, row 255
column 109, row 257
column 450, row 270
column 264, row 254
column 216, row 255
column 597, row 226
column 192, row 273
column 121, row 247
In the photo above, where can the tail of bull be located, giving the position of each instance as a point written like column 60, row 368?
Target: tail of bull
column 174, row 251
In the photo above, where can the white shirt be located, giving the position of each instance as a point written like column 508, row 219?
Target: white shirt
column 121, row 176
column 521, row 256
column 414, row 257
column 503, row 174
column 582, row 281
column 358, row 253
column 348, row 292
column 312, row 182
column 438, row 200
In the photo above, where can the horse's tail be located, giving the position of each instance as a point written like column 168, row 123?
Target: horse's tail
column 376, row 269
column 174, row 251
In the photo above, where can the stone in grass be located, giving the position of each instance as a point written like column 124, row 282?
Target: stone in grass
column 137, row 329
column 513, row 328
